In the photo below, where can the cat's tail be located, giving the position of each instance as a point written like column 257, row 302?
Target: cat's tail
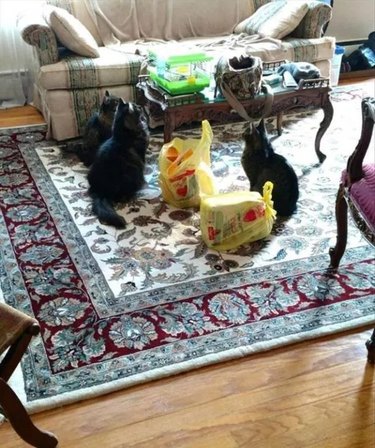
column 106, row 213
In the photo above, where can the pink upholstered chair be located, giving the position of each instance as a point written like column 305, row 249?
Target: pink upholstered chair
column 357, row 190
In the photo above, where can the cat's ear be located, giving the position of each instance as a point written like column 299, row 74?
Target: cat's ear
column 123, row 105
column 246, row 130
column 105, row 98
column 261, row 127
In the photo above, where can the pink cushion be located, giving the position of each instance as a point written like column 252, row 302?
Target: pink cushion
column 362, row 194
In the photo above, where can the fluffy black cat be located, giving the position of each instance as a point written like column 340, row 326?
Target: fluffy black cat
column 117, row 172
column 261, row 164
column 98, row 129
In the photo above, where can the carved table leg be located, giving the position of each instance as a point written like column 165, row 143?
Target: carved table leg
column 337, row 252
column 328, row 115
column 370, row 344
column 168, row 127
column 279, row 124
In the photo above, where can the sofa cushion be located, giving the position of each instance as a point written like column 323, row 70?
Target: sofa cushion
column 120, row 21
column 269, row 49
column 275, row 19
column 122, row 66
column 71, row 32
column 309, row 50
column 111, row 68
column 81, row 10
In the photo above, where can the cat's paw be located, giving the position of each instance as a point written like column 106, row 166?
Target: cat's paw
column 119, row 223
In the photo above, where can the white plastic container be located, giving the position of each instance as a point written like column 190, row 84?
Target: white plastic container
column 336, row 65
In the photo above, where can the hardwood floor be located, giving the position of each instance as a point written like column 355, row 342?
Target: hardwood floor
column 314, row 394
column 20, row 116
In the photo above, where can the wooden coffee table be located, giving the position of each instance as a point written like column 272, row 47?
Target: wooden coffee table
column 174, row 111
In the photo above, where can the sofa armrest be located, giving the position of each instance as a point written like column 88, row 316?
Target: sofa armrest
column 35, row 31
column 312, row 25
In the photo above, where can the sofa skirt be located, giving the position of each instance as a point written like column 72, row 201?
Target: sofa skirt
column 66, row 112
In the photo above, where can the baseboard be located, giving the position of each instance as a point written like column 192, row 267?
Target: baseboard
column 7, row 82
column 370, row 73
column 346, row 43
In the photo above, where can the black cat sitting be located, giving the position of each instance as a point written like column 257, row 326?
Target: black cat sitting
column 98, row 129
column 117, row 172
column 261, row 164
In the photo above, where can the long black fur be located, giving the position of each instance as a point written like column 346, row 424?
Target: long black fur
column 117, row 172
column 261, row 164
column 98, row 129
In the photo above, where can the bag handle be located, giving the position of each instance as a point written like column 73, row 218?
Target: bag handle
column 239, row 108
column 182, row 157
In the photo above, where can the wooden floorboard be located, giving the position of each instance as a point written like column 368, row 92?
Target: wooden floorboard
column 315, row 394
column 20, row 116
column 370, row 73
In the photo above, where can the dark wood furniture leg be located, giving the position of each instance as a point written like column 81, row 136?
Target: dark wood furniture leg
column 20, row 420
column 370, row 344
column 168, row 126
column 16, row 351
column 279, row 124
column 328, row 115
column 17, row 330
column 337, row 252
column 354, row 173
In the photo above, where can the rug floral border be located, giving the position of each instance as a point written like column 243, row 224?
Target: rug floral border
column 234, row 338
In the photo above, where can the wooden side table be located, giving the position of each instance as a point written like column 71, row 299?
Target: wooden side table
column 179, row 110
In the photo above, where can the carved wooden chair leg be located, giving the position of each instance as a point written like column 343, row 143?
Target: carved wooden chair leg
column 337, row 252
column 16, row 351
column 16, row 331
column 20, row 420
column 370, row 344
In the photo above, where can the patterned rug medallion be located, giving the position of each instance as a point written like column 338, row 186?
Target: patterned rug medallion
column 120, row 307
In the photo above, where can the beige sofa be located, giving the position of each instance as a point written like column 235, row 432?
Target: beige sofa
column 69, row 86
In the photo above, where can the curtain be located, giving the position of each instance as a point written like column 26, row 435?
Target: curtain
column 17, row 63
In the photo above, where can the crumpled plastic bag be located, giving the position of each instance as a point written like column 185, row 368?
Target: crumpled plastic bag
column 231, row 219
column 185, row 175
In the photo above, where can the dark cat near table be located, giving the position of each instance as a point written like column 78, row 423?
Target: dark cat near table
column 98, row 129
column 261, row 164
column 117, row 172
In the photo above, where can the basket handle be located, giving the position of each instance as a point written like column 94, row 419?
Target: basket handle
column 239, row 108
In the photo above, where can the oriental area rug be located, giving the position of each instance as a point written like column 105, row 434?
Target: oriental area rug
column 121, row 307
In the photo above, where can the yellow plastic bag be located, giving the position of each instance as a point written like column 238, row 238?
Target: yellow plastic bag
column 231, row 219
column 185, row 169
